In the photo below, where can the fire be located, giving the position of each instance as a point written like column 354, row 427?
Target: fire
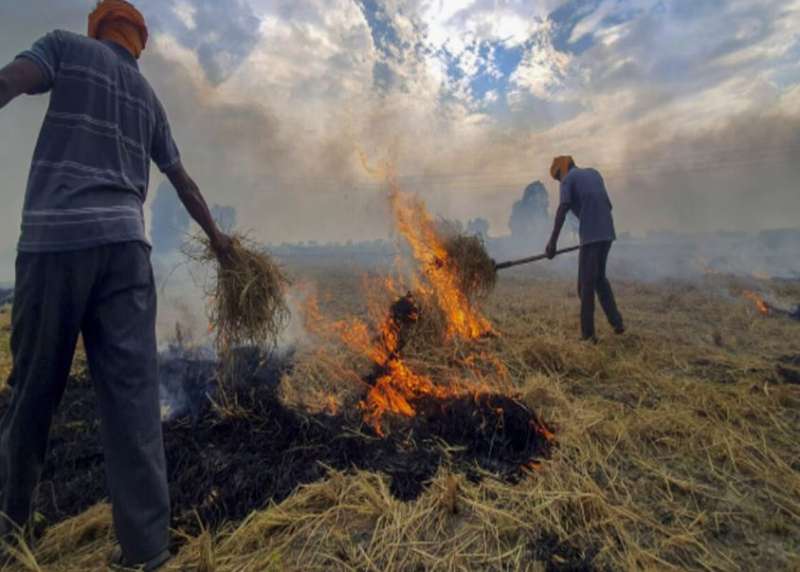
column 434, row 283
column 436, row 278
column 394, row 385
column 548, row 435
column 761, row 305
column 533, row 466
column 331, row 404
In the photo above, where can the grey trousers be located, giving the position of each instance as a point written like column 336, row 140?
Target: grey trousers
column 592, row 280
column 108, row 295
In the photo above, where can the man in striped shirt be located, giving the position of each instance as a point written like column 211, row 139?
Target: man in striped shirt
column 83, row 267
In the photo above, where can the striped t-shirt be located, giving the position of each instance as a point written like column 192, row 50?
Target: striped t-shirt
column 90, row 171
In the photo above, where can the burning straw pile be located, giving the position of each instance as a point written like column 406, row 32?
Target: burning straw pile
column 469, row 261
column 248, row 296
column 454, row 281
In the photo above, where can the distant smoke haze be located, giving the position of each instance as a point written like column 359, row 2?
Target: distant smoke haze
column 169, row 220
column 691, row 115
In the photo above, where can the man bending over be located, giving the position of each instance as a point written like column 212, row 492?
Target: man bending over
column 583, row 191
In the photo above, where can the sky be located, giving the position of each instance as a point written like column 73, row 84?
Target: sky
column 689, row 108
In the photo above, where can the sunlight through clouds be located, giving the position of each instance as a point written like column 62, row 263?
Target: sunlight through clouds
column 271, row 98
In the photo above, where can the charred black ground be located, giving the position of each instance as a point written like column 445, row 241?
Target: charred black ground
column 788, row 369
column 224, row 465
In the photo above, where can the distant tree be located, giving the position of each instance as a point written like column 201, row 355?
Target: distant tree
column 169, row 220
column 530, row 215
column 478, row 227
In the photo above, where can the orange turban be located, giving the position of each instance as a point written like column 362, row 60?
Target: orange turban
column 120, row 22
column 561, row 166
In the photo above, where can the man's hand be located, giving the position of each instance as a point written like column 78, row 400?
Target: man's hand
column 550, row 250
column 192, row 199
column 561, row 216
column 222, row 245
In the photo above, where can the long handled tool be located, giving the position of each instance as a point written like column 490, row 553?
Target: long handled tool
column 512, row 263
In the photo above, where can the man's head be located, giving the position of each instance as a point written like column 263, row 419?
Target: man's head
column 120, row 22
column 561, row 166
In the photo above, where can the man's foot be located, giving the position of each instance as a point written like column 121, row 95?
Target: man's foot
column 118, row 562
column 619, row 330
column 589, row 339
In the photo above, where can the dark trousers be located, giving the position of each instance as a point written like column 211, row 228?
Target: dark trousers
column 592, row 279
column 108, row 295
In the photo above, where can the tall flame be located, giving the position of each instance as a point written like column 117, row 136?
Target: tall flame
column 435, row 284
column 437, row 279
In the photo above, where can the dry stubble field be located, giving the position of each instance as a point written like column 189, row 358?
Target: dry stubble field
column 678, row 448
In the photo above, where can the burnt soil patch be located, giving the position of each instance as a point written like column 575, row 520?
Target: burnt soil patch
column 788, row 369
column 224, row 466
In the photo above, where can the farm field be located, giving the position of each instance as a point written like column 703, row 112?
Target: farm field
column 676, row 446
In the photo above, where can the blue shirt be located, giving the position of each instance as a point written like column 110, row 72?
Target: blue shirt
column 90, row 171
column 584, row 191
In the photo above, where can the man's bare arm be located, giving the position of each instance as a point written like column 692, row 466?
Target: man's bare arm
column 561, row 216
column 18, row 77
column 192, row 199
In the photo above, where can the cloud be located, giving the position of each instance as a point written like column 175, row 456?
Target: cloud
column 544, row 72
column 271, row 99
column 223, row 34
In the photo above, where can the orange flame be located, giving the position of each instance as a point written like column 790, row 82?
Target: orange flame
column 434, row 284
column 332, row 405
column 436, row 278
column 534, row 466
column 542, row 430
column 761, row 305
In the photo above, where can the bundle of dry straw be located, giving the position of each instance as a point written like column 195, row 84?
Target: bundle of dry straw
column 469, row 261
column 248, row 294
column 473, row 270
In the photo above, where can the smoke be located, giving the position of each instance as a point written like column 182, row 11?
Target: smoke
column 269, row 103
column 223, row 34
column 742, row 175
column 530, row 215
column 169, row 220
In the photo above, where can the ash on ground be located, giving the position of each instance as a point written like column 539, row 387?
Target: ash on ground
column 230, row 453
